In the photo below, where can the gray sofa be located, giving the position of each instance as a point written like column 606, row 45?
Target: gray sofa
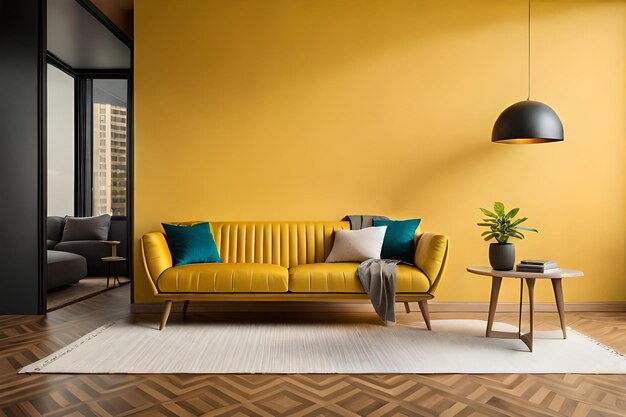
column 65, row 268
column 91, row 250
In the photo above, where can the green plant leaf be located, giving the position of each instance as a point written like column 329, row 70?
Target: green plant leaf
column 488, row 213
column 512, row 213
column 518, row 235
column 518, row 221
column 502, row 225
column 530, row 229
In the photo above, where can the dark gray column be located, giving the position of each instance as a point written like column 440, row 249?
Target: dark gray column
column 22, row 156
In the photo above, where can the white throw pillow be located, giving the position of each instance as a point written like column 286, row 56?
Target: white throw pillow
column 357, row 245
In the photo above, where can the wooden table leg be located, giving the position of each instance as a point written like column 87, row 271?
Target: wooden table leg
column 558, row 295
column 407, row 308
column 528, row 337
column 521, row 303
column 493, row 302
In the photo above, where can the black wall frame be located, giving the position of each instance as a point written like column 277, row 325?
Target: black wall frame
column 83, row 133
column 42, row 157
column 83, row 128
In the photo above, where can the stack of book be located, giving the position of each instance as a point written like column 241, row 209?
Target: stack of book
column 532, row 265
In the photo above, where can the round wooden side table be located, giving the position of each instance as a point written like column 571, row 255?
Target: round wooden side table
column 113, row 262
column 555, row 276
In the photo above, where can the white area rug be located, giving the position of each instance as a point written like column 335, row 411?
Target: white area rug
column 454, row 346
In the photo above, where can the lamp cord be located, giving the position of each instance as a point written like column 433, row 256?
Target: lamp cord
column 528, row 50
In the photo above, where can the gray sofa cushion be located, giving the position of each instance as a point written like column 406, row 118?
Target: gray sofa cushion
column 65, row 268
column 55, row 227
column 50, row 244
column 86, row 228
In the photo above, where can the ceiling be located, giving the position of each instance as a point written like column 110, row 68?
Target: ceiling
column 120, row 12
column 78, row 39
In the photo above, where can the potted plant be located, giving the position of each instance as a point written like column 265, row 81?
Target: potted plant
column 502, row 226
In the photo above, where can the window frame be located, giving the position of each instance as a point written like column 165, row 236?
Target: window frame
column 84, row 158
column 83, row 137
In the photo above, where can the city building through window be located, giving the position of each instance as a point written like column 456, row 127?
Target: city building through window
column 109, row 147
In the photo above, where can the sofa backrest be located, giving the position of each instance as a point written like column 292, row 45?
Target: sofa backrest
column 117, row 229
column 55, row 225
column 281, row 243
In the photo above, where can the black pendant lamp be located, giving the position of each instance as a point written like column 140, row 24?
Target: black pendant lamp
column 528, row 121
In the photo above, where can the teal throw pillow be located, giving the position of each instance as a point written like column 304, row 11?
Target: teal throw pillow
column 398, row 243
column 191, row 244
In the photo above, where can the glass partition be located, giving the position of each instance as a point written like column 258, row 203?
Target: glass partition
column 60, row 158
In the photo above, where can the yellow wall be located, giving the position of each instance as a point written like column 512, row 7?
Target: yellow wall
column 309, row 110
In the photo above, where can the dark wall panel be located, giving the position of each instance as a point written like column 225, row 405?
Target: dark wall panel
column 22, row 155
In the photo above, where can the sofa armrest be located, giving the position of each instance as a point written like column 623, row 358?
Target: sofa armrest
column 93, row 251
column 431, row 254
column 156, row 256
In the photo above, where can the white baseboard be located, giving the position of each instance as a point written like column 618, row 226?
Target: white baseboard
column 361, row 306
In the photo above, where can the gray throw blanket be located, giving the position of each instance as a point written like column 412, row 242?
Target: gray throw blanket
column 378, row 277
column 361, row 221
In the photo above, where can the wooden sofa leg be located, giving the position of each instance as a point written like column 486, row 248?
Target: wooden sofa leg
column 166, row 313
column 425, row 313
column 185, row 307
column 407, row 308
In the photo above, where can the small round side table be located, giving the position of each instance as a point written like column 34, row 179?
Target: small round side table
column 113, row 262
column 554, row 276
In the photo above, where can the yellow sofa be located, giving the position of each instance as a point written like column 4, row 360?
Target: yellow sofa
column 283, row 261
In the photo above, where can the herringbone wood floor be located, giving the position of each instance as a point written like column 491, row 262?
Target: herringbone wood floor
column 26, row 339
